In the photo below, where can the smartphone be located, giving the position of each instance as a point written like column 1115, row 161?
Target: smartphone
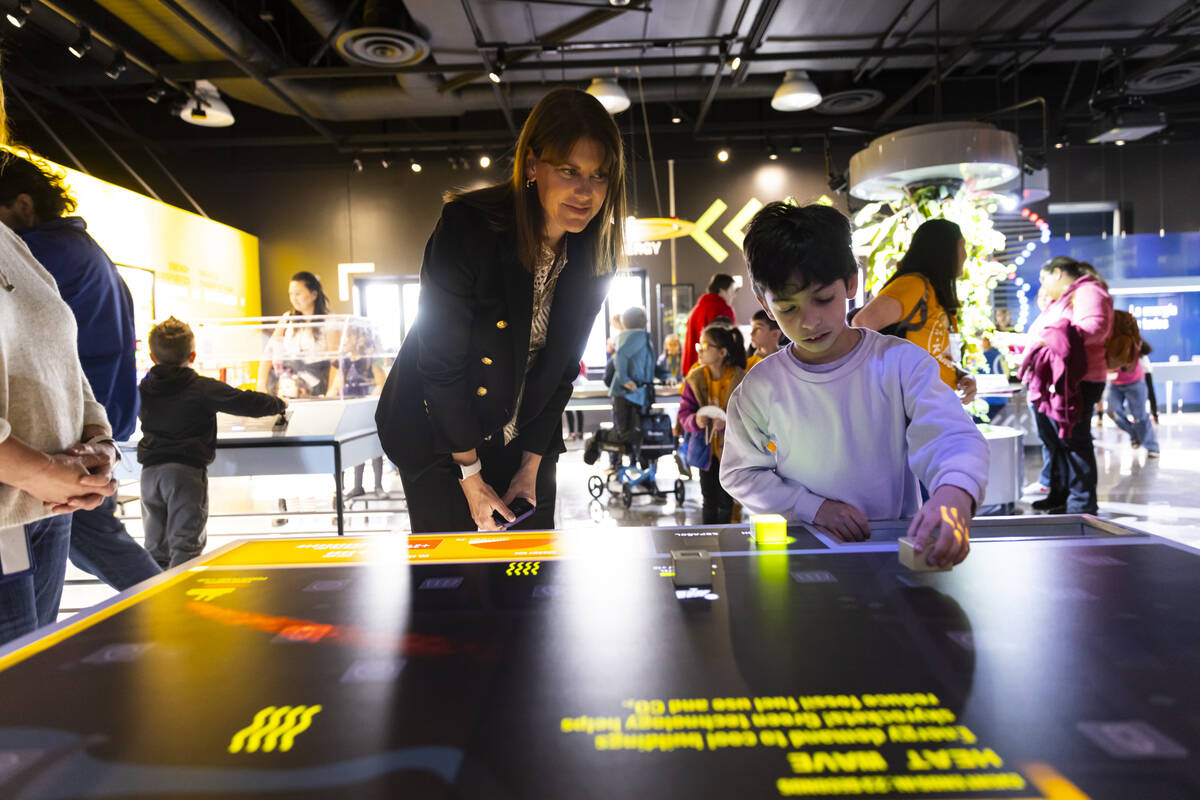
column 521, row 507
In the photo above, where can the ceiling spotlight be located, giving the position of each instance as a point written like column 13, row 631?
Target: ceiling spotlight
column 496, row 73
column 19, row 14
column 157, row 91
column 735, row 63
column 414, row 165
column 453, row 162
column 723, row 155
column 795, row 146
column 610, row 94
column 796, row 93
column 1119, row 142
column 485, row 162
column 676, row 119
column 82, row 43
column 118, row 66
column 385, row 162
column 208, row 109
column 357, row 165
column 1059, row 145
column 772, row 153
column 618, row 3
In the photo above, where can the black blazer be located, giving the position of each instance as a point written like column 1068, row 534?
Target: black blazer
column 455, row 383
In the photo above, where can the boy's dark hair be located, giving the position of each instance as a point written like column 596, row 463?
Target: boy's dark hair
column 719, row 283
column 21, row 176
column 763, row 316
column 730, row 339
column 934, row 254
column 172, row 342
column 788, row 246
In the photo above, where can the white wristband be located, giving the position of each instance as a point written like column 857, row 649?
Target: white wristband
column 470, row 469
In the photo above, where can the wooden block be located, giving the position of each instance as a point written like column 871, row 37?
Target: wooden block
column 914, row 560
column 692, row 567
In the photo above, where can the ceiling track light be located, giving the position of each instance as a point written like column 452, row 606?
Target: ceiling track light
column 198, row 111
column 496, row 73
column 723, row 155
column 485, row 161
column 772, row 153
column 18, row 15
column 386, row 163
column 735, row 63
column 414, row 165
column 357, row 165
column 82, row 44
column 118, row 66
column 156, row 92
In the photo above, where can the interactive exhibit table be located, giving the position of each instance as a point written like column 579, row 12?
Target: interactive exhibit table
column 317, row 437
column 1059, row 662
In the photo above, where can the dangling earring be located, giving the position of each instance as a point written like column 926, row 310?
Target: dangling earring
column 529, row 183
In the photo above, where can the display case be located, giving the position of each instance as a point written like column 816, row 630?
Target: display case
column 332, row 356
column 330, row 369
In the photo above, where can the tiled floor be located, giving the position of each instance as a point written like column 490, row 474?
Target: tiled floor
column 1156, row 495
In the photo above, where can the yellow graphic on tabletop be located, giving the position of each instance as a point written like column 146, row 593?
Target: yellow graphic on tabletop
column 340, row 550
column 274, row 728
column 523, row 568
column 209, row 594
column 844, row 745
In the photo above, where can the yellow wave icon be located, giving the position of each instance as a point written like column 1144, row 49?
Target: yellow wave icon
column 523, row 568
column 274, row 728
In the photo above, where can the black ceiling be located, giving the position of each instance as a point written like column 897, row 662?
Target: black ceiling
column 297, row 100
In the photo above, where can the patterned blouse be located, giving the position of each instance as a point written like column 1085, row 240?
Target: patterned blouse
column 545, row 276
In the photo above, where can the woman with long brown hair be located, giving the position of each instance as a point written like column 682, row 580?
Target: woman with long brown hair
column 513, row 277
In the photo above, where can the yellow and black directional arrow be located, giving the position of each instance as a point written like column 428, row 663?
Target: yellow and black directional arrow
column 740, row 220
column 700, row 232
column 274, row 728
column 523, row 568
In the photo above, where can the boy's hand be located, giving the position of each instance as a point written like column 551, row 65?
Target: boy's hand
column 967, row 385
column 946, row 515
column 630, row 385
column 843, row 521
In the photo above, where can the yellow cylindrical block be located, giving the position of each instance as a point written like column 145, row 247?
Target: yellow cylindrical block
column 769, row 528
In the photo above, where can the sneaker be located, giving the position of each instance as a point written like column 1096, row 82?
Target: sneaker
column 591, row 451
column 1151, row 454
column 1036, row 488
column 1135, row 443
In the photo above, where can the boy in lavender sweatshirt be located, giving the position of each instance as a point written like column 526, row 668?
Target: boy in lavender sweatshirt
column 835, row 429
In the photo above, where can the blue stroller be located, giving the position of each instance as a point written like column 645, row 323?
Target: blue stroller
column 640, row 475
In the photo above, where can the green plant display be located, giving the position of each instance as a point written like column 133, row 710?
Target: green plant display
column 884, row 231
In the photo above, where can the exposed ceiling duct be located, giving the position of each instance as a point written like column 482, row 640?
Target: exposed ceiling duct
column 386, row 97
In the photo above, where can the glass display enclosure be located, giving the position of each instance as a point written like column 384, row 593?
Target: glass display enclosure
column 335, row 356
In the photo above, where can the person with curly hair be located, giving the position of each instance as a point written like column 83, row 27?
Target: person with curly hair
column 36, row 205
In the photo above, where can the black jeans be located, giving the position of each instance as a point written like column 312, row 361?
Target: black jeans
column 627, row 426
column 436, row 503
column 717, row 505
column 1073, row 472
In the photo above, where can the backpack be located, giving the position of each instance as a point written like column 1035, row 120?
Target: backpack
column 916, row 318
column 1124, row 345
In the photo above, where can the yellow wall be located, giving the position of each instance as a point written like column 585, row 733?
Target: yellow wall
column 203, row 269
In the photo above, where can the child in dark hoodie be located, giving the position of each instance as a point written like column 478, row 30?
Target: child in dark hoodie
column 179, row 439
